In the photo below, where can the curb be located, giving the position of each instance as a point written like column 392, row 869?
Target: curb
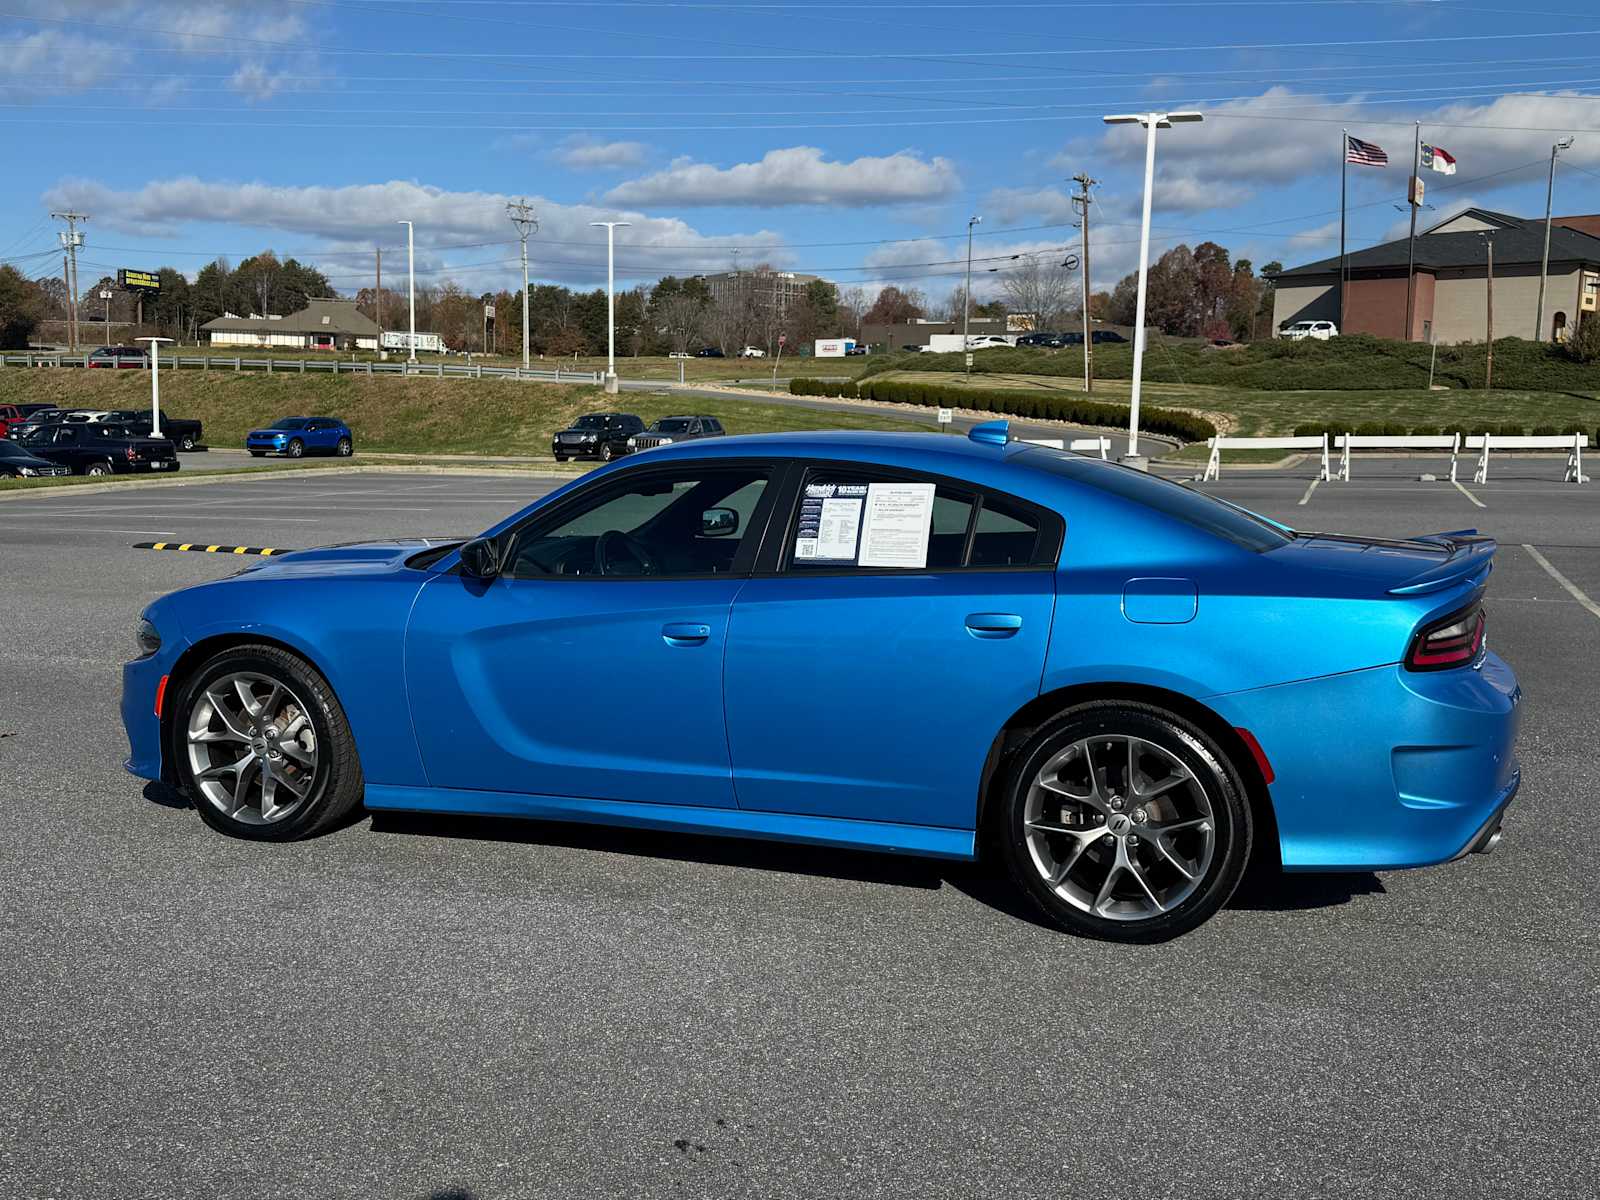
column 199, row 478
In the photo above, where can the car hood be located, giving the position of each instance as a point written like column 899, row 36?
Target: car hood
column 350, row 558
column 272, row 432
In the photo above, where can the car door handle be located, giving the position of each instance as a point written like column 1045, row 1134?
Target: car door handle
column 993, row 625
column 685, row 633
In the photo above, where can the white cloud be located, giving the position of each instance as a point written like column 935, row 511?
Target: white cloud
column 256, row 82
column 794, row 176
column 355, row 217
column 588, row 154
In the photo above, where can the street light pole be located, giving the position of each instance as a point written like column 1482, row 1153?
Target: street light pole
column 1549, row 204
column 1151, row 122
column 611, row 228
column 411, row 285
column 155, row 382
column 966, row 301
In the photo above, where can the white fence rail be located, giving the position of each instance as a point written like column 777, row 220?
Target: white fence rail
column 1485, row 443
column 326, row 366
column 1094, row 445
column 1219, row 444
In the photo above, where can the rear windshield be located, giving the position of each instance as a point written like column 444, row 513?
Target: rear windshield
column 1196, row 509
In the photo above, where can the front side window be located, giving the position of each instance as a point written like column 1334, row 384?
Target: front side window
column 689, row 522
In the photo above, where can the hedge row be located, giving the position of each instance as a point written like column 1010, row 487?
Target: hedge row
column 1013, row 402
column 1397, row 429
column 1358, row 362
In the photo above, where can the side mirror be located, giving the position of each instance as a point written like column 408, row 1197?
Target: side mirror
column 719, row 522
column 480, row 558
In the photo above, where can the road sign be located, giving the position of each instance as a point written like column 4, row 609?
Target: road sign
column 946, row 416
column 1071, row 263
column 969, row 358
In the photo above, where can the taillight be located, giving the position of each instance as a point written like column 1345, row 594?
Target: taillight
column 1452, row 641
column 133, row 455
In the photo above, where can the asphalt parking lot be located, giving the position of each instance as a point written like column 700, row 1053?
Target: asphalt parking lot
column 431, row 1007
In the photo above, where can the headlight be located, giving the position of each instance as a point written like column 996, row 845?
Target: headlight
column 146, row 638
column 666, row 441
column 633, row 443
column 26, row 471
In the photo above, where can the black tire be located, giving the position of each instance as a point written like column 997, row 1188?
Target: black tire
column 607, row 453
column 338, row 787
column 561, row 458
column 97, row 469
column 296, row 449
column 1213, row 774
column 186, row 442
column 345, row 448
column 257, row 453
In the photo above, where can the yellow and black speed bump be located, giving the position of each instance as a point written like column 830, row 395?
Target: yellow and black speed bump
column 202, row 548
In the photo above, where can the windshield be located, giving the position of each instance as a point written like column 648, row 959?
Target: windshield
column 671, row 425
column 291, row 423
column 12, row 450
column 1203, row 512
column 592, row 421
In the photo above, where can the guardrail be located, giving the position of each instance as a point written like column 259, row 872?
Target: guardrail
column 1455, row 443
column 1219, row 444
column 1094, row 445
column 328, row 366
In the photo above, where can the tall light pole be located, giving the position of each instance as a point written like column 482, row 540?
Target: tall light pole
column 155, row 382
column 411, row 286
column 1151, row 122
column 1549, row 203
column 611, row 228
column 966, row 300
column 521, row 214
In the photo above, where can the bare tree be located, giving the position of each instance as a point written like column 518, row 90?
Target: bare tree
column 852, row 307
column 682, row 317
column 1040, row 289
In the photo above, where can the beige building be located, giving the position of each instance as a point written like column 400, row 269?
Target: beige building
column 1452, row 293
column 320, row 325
column 783, row 287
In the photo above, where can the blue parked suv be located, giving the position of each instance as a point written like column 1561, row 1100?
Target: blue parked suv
column 295, row 437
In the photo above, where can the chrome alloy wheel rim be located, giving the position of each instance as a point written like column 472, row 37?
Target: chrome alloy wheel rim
column 1119, row 828
column 252, row 748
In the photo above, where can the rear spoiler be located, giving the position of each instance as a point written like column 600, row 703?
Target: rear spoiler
column 1471, row 554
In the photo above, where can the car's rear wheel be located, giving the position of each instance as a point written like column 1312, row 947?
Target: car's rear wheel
column 297, row 448
column 1124, row 822
column 97, row 469
column 263, row 748
column 344, row 449
column 186, row 442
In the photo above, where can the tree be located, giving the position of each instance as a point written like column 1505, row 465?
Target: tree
column 1584, row 345
column 1040, row 289
column 678, row 311
column 852, row 308
column 22, row 307
column 209, row 294
column 895, row 307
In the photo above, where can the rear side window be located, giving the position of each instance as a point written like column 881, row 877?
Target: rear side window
column 1171, row 500
column 1007, row 535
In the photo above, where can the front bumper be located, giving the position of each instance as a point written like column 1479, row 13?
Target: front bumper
column 1386, row 768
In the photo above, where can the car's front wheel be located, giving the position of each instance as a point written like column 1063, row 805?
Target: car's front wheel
column 296, row 449
column 607, row 452
column 1124, row 822
column 187, row 442
column 344, row 449
column 263, row 748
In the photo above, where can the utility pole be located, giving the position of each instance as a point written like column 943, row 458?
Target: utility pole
column 411, row 270
column 1083, row 200
column 1549, row 203
column 71, row 239
column 1414, row 196
column 1488, row 367
column 522, row 217
column 377, row 296
column 966, row 301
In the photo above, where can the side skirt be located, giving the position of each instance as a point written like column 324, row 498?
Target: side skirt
column 920, row 840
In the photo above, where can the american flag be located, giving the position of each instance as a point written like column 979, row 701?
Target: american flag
column 1364, row 154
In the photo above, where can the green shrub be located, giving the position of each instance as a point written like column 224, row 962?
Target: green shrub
column 1510, row 429
column 1546, row 431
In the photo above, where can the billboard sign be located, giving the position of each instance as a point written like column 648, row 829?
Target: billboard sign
column 138, row 281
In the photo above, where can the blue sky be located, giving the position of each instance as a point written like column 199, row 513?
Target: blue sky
column 852, row 140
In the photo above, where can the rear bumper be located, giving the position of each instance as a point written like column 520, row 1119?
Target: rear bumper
column 1386, row 768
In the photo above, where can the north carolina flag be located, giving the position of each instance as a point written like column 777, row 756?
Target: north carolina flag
column 1437, row 158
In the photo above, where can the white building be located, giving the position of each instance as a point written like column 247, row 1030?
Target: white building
column 321, row 325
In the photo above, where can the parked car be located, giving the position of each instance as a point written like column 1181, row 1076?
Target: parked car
column 915, row 349
column 869, row 640
column 184, row 432
column 125, row 357
column 855, row 351
column 1103, row 337
column 709, row 352
column 17, row 462
column 16, row 415
column 295, row 437
column 86, row 416
column 36, row 420
column 101, row 448
column 669, row 430
column 680, row 354
column 987, row 341
column 752, row 352
column 1045, row 340
column 1317, row 331
column 596, row 435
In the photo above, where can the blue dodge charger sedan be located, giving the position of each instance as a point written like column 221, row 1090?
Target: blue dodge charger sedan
column 1122, row 688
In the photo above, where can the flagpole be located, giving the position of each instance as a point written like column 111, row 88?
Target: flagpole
column 1411, row 253
column 1344, row 262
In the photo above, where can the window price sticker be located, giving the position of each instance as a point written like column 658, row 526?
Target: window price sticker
column 830, row 522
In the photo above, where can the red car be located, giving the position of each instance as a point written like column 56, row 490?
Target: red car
column 16, row 414
column 128, row 357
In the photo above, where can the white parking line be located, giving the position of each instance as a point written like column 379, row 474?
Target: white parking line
column 1309, row 490
column 81, row 529
column 1468, row 494
column 1573, row 589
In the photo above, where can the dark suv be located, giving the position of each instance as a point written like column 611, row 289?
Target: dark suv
column 596, row 435
column 1044, row 338
column 676, row 429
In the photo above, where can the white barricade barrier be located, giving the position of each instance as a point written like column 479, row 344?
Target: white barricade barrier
column 1219, row 444
column 1573, row 443
column 1346, row 442
column 1094, row 445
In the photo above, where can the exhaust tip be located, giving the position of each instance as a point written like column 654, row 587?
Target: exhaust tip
column 1489, row 843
